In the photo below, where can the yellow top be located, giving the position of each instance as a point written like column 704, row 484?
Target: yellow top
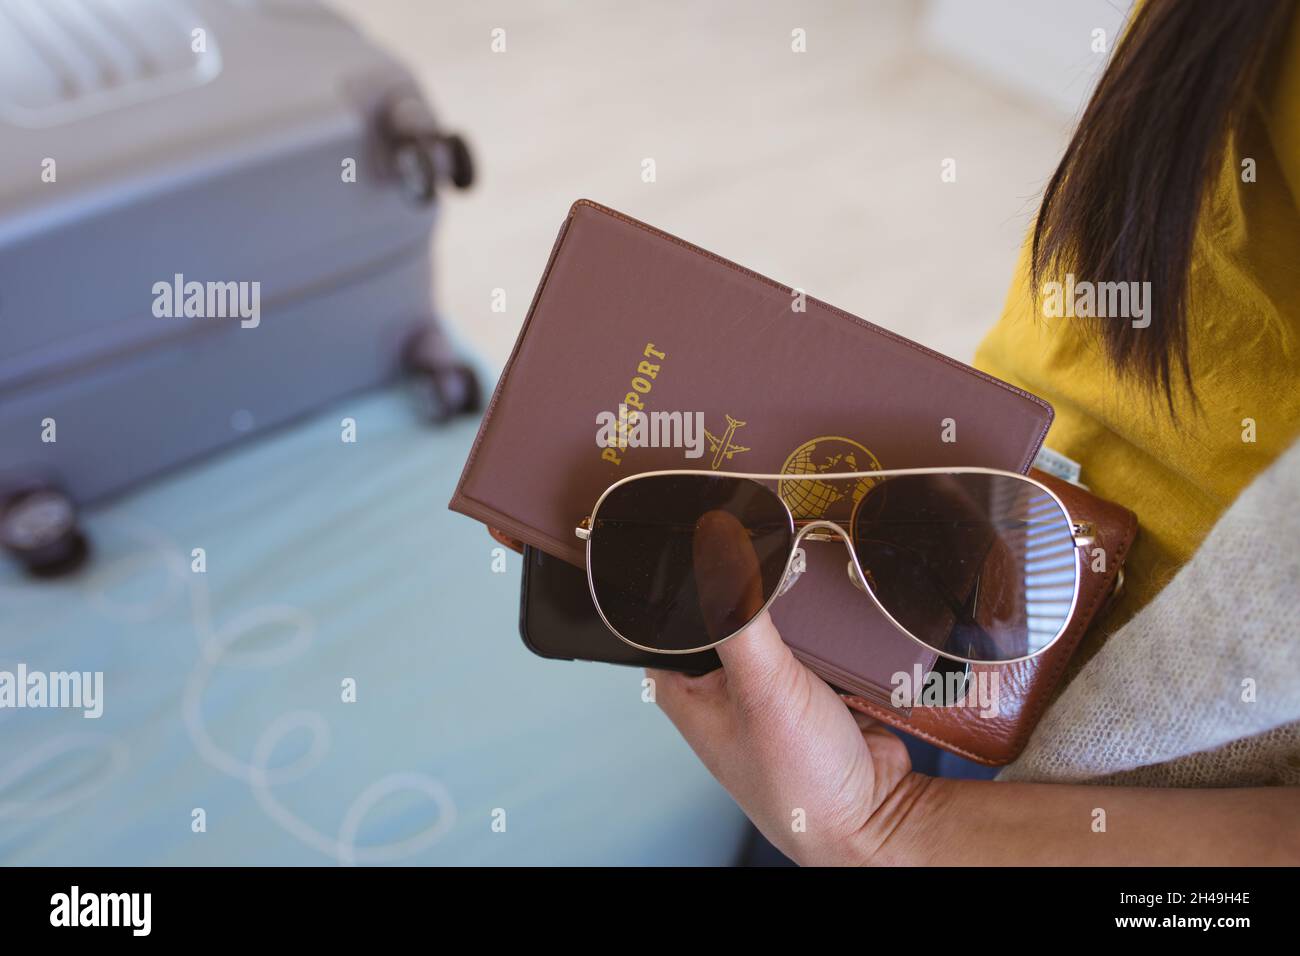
column 1244, row 351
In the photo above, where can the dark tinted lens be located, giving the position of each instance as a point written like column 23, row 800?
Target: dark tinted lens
column 679, row 562
column 978, row 566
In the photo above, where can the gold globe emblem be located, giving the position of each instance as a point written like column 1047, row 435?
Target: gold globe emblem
column 817, row 497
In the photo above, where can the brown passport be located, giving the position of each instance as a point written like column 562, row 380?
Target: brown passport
column 628, row 315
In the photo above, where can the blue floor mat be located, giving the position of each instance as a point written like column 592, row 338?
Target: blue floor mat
column 328, row 562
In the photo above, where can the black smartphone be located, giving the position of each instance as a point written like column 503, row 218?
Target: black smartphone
column 557, row 619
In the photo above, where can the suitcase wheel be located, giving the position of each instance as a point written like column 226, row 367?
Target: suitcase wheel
column 39, row 528
column 417, row 171
column 448, row 390
column 462, row 163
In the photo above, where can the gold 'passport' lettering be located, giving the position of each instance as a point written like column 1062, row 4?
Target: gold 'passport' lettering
column 640, row 386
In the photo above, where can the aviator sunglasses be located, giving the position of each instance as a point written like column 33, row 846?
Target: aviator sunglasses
column 980, row 565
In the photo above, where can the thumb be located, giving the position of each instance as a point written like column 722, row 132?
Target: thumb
column 753, row 684
column 758, row 663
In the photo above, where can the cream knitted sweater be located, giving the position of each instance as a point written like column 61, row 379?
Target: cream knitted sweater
column 1202, row 687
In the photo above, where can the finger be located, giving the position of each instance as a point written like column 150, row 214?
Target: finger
column 698, row 708
column 880, row 739
column 689, row 699
column 864, row 721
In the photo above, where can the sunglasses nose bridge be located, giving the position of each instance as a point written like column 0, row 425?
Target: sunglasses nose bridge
column 812, row 531
column 821, row 530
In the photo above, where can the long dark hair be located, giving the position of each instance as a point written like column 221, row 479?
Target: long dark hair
column 1124, row 202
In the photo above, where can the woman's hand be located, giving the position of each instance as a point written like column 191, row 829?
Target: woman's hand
column 824, row 784
column 828, row 786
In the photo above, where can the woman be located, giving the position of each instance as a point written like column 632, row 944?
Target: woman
column 1184, row 173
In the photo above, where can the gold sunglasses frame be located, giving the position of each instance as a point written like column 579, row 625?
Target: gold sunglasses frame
column 1081, row 534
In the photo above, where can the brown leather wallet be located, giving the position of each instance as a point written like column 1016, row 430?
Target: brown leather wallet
column 628, row 314
column 1026, row 687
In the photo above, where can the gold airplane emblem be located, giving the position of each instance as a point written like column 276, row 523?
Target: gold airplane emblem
column 723, row 447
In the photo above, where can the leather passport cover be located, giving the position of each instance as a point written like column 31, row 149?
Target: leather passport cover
column 627, row 314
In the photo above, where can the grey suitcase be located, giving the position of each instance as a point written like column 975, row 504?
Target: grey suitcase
column 215, row 216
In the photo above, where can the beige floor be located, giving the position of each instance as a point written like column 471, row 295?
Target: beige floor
column 821, row 169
